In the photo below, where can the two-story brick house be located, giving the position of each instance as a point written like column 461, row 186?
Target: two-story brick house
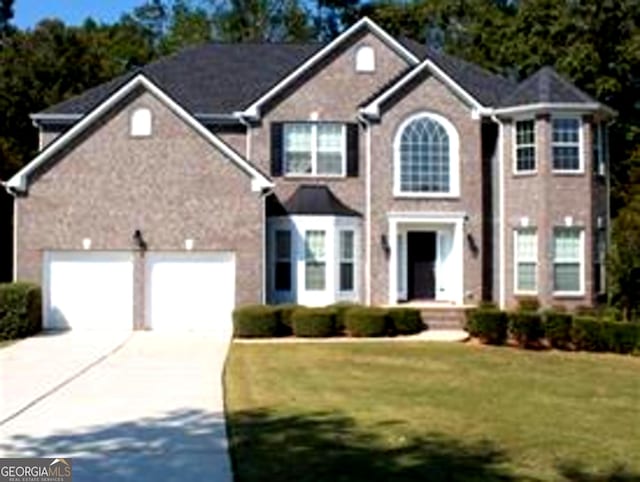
column 368, row 169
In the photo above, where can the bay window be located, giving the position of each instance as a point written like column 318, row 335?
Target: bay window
column 525, row 146
column 347, row 258
column 565, row 144
column 526, row 260
column 283, row 260
column 315, row 262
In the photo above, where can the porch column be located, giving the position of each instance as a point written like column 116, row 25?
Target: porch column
column 393, row 267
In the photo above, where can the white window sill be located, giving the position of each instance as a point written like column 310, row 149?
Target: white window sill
column 525, row 293
column 567, row 173
column 425, row 195
column 293, row 176
column 525, row 173
column 568, row 294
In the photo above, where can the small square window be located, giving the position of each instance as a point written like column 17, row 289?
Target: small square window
column 141, row 123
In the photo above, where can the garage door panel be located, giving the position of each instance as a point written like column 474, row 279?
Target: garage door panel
column 89, row 290
column 190, row 292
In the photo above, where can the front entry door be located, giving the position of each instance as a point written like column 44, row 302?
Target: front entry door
column 421, row 260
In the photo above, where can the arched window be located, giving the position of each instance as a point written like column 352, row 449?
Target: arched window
column 140, row 123
column 426, row 157
column 365, row 59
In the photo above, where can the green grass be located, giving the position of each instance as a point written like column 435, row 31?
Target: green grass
column 430, row 412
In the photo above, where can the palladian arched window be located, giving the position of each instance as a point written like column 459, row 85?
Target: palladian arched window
column 426, row 157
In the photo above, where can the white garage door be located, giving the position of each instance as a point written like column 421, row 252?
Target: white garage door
column 190, row 291
column 88, row 290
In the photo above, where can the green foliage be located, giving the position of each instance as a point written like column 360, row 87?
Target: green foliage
column 526, row 327
column 284, row 313
column 557, row 329
column 488, row 325
column 405, row 321
column 528, row 303
column 255, row 321
column 340, row 310
column 620, row 337
column 314, row 322
column 20, row 310
column 587, row 334
column 366, row 322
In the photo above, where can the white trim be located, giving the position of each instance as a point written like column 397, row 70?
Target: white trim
column 367, row 266
column 15, row 239
column 253, row 111
column 372, row 109
column 502, row 242
column 426, row 221
column 515, row 145
column 580, row 293
column 454, row 158
column 19, row 180
column 517, row 259
column 581, row 144
column 585, row 107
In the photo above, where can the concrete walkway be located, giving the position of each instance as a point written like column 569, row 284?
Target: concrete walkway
column 428, row 335
column 150, row 410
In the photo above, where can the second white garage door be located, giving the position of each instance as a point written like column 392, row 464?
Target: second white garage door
column 190, row 291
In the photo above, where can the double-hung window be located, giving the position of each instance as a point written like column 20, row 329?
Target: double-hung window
column 525, row 146
column 316, row 149
column 526, row 260
column 565, row 144
column 283, row 260
column 347, row 257
column 315, row 261
column 567, row 260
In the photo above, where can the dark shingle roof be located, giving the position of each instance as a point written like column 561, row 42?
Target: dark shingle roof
column 545, row 86
column 210, row 78
column 316, row 200
column 487, row 87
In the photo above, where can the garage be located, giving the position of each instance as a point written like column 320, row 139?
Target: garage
column 88, row 290
column 190, row 291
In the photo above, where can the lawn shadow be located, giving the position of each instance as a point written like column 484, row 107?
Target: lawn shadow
column 183, row 445
column 575, row 472
column 329, row 447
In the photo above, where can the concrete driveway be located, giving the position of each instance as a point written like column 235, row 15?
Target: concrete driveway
column 141, row 406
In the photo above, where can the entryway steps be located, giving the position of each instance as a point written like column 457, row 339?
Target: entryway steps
column 443, row 317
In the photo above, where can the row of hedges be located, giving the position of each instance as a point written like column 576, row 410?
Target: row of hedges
column 557, row 329
column 259, row 321
column 20, row 310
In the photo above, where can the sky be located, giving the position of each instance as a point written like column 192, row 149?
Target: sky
column 29, row 12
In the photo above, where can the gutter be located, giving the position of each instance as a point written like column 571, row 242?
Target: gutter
column 502, row 218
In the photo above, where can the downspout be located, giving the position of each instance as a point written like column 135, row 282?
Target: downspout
column 247, row 126
column 501, row 223
column 13, row 193
column 367, row 223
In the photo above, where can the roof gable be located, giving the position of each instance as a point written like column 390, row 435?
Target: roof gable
column 19, row 182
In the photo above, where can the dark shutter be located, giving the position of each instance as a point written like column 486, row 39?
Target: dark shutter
column 353, row 150
column 276, row 149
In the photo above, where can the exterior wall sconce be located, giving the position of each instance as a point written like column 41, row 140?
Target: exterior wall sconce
column 139, row 240
column 86, row 243
column 188, row 244
column 473, row 245
column 384, row 242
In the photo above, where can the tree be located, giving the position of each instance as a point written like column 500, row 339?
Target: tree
column 6, row 14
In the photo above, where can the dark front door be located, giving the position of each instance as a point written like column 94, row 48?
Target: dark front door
column 421, row 269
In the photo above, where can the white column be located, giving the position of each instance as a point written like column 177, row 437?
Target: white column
column 458, row 251
column 393, row 267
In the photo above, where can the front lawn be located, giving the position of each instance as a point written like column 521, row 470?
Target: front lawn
column 430, row 412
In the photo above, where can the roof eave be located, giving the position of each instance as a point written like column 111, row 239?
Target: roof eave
column 577, row 107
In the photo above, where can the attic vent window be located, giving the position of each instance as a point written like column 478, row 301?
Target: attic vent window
column 365, row 59
column 141, row 123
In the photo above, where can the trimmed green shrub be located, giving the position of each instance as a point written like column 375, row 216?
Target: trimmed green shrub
column 405, row 321
column 341, row 309
column 255, row 321
column 365, row 322
column 587, row 334
column 584, row 310
column 528, row 303
column 557, row 329
column 526, row 327
column 620, row 337
column 489, row 325
column 20, row 310
column 284, row 313
column 314, row 322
